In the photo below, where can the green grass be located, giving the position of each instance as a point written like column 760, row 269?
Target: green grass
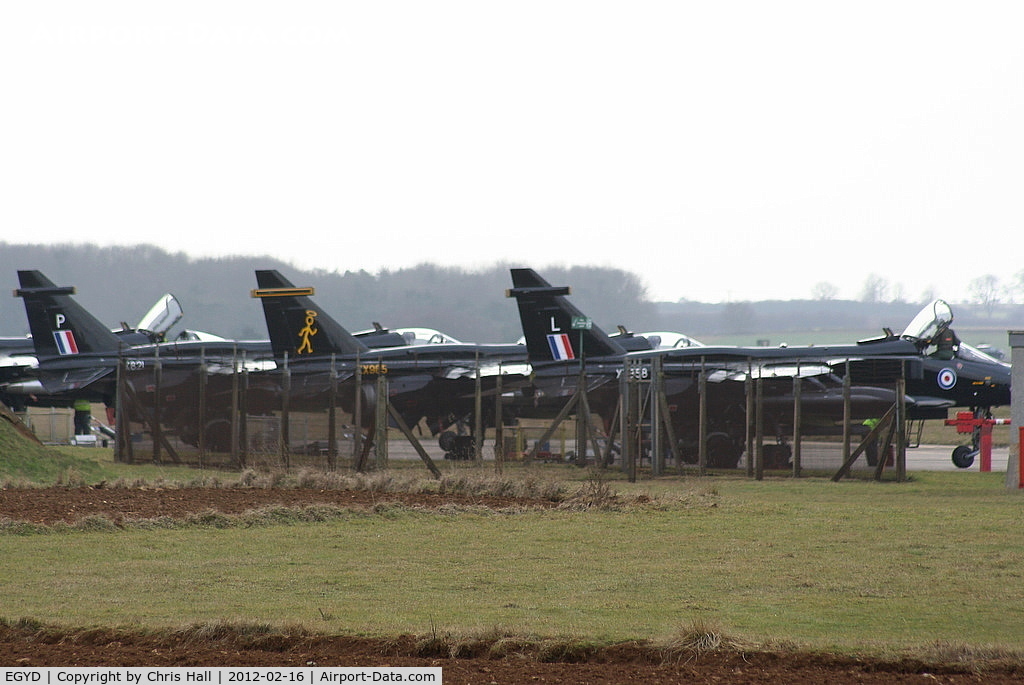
column 105, row 468
column 855, row 565
column 64, row 465
column 24, row 461
column 848, row 566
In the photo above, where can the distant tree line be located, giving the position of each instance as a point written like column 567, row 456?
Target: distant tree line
column 986, row 290
column 119, row 284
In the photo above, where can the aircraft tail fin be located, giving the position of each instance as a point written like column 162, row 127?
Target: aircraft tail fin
column 555, row 329
column 297, row 326
column 60, row 326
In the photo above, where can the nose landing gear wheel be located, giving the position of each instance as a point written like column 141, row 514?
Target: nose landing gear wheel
column 963, row 457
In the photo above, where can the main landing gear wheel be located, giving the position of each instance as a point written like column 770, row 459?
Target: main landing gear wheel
column 458, row 447
column 723, row 452
column 963, row 457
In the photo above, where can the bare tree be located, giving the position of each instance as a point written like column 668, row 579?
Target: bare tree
column 875, row 289
column 1016, row 286
column 899, row 293
column 984, row 290
column 824, row 291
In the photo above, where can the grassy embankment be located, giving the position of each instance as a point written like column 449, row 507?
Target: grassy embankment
column 24, row 463
column 22, row 460
column 847, row 566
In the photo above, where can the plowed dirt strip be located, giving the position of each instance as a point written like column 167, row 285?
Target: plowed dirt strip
column 52, row 505
column 616, row 664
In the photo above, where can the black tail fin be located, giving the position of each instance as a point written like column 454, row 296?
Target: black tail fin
column 60, row 326
column 296, row 325
column 548, row 320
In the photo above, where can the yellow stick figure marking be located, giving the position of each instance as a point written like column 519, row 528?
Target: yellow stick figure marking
column 307, row 347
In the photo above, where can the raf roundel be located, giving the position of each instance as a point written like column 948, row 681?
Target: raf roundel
column 946, row 378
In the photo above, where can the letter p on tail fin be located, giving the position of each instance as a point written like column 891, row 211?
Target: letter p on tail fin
column 59, row 325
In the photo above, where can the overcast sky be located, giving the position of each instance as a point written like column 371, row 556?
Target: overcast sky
column 720, row 150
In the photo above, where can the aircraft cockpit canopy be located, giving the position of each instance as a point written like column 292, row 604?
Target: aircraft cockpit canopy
column 933, row 320
column 412, row 336
column 935, row 316
column 665, row 340
column 426, row 336
column 198, row 336
column 161, row 316
column 973, row 354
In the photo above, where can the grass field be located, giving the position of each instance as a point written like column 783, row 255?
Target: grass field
column 846, row 566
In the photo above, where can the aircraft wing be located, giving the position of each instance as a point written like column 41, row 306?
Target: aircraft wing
column 228, row 367
column 565, row 385
column 925, row 407
column 73, row 379
column 771, row 371
column 719, row 373
column 932, row 402
column 493, row 369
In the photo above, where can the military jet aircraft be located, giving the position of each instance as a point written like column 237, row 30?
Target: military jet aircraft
column 18, row 355
column 78, row 356
column 72, row 355
column 940, row 371
column 435, row 381
column 559, row 338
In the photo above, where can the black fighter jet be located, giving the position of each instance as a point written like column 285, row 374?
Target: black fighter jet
column 18, row 355
column 75, row 356
column 74, row 348
column 435, row 383
column 78, row 356
column 560, row 338
column 940, row 371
